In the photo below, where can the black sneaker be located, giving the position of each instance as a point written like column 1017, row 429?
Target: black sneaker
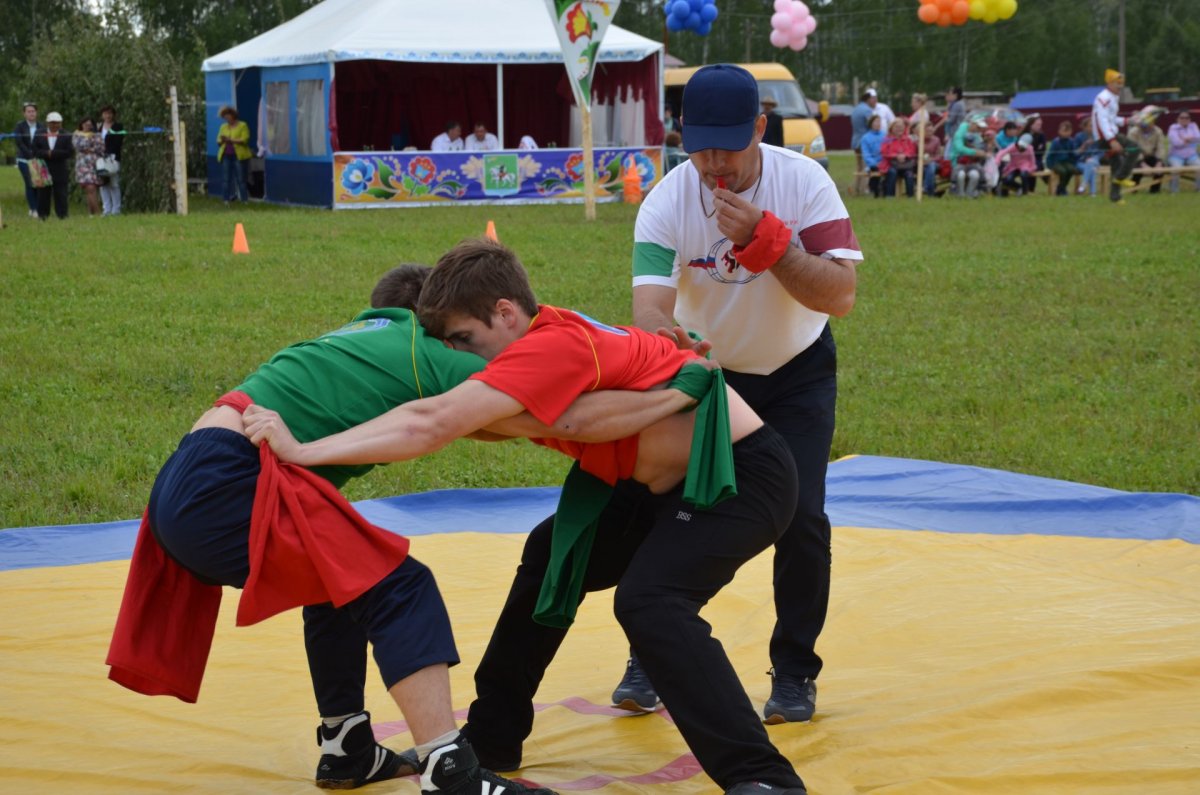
column 793, row 699
column 635, row 693
column 350, row 757
column 454, row 769
column 759, row 788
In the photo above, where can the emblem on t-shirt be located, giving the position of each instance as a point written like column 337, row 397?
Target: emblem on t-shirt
column 371, row 324
column 722, row 266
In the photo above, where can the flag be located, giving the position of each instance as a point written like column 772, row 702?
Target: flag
column 581, row 25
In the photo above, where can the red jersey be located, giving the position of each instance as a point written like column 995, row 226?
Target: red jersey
column 565, row 354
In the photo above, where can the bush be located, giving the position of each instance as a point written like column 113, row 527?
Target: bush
column 85, row 63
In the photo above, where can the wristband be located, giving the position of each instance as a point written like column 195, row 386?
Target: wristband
column 769, row 243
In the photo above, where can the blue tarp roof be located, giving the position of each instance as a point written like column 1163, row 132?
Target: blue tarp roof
column 1056, row 98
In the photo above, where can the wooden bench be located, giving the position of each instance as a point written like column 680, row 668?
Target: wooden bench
column 1159, row 176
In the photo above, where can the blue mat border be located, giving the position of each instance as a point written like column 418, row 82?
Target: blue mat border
column 862, row 491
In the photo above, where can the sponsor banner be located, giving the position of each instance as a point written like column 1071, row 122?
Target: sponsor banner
column 365, row 179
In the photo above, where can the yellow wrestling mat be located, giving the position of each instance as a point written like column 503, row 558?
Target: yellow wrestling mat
column 956, row 662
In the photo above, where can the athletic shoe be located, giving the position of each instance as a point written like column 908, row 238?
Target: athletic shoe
column 350, row 757
column 635, row 693
column 454, row 769
column 1125, row 183
column 759, row 788
column 793, row 699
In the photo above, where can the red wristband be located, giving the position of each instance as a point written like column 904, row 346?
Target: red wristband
column 769, row 243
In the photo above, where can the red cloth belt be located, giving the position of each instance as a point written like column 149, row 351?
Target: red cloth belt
column 307, row 546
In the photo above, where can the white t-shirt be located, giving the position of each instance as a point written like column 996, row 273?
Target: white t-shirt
column 443, row 143
column 486, row 145
column 755, row 326
column 886, row 115
column 1105, row 121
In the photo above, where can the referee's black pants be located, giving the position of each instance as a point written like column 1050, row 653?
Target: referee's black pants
column 667, row 560
column 798, row 400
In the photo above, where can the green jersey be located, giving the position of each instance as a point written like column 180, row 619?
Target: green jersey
column 341, row 379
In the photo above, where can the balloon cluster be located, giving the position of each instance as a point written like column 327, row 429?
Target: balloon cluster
column 792, row 24
column 945, row 13
column 694, row 15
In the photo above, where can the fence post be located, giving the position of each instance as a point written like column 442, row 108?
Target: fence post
column 178, row 156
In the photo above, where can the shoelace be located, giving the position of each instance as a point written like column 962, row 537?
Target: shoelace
column 790, row 688
column 635, row 677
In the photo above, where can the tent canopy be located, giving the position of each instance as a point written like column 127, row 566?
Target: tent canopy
column 447, row 31
column 1056, row 98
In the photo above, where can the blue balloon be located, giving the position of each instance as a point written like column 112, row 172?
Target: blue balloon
column 708, row 13
column 695, row 4
column 680, row 10
column 693, row 21
column 666, row 8
column 674, row 24
column 704, row 28
column 710, row 2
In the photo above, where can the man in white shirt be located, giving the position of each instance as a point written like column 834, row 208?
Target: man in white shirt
column 881, row 109
column 449, row 141
column 1123, row 153
column 752, row 248
column 482, row 140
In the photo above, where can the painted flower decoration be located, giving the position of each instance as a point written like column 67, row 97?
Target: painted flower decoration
column 422, row 170
column 645, row 168
column 357, row 176
column 579, row 24
column 574, row 167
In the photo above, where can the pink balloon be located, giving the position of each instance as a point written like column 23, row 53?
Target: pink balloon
column 798, row 43
column 781, row 21
column 803, row 8
column 782, row 5
column 798, row 11
column 779, row 38
column 810, row 24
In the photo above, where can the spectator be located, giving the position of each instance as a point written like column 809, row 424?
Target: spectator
column 55, row 149
column 1017, row 165
column 886, row 114
column 920, row 114
column 1062, row 157
column 872, row 154
column 860, row 124
column 449, row 141
column 1106, row 124
column 670, row 123
column 899, row 159
column 233, row 153
column 26, row 132
column 1034, row 126
column 482, row 140
column 773, row 135
column 956, row 111
column 933, row 160
column 1090, row 152
column 1184, row 135
column 112, row 133
column 674, row 154
column 1151, row 141
column 527, row 143
column 1009, row 135
column 89, row 147
column 966, row 154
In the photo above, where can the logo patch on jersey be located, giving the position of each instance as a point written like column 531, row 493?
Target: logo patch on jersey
column 722, row 266
column 604, row 326
column 373, row 324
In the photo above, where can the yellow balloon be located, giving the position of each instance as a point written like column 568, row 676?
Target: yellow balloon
column 1007, row 9
column 978, row 7
column 990, row 16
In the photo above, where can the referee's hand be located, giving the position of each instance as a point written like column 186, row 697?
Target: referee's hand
column 736, row 217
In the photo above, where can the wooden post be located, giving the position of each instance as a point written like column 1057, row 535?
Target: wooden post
column 589, row 166
column 920, row 158
column 183, row 207
column 177, row 156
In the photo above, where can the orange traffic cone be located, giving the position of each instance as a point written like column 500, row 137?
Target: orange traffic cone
column 632, row 184
column 240, row 246
column 490, row 234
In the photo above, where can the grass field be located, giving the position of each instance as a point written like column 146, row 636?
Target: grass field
column 1057, row 337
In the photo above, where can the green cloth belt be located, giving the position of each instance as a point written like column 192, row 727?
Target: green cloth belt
column 710, row 479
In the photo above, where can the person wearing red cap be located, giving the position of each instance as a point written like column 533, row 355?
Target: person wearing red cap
column 750, row 247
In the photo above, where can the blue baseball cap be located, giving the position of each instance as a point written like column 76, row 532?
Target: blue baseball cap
column 720, row 107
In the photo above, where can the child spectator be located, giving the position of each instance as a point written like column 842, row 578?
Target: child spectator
column 1090, row 151
column 674, row 151
column 1184, row 135
column 899, row 159
column 1017, row 165
column 933, row 160
column 1009, row 135
column 872, row 154
column 1033, row 127
column 966, row 153
column 1062, row 157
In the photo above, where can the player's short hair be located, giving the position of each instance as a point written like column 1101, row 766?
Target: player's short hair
column 400, row 287
column 469, row 279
